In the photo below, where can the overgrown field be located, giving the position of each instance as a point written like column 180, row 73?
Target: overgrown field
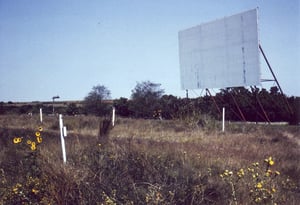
column 147, row 162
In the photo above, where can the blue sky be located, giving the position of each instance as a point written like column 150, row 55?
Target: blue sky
column 65, row 47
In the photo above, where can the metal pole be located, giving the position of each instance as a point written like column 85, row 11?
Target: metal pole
column 53, row 98
column 238, row 107
column 270, row 68
column 214, row 101
column 264, row 112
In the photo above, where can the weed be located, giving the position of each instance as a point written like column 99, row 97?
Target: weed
column 146, row 162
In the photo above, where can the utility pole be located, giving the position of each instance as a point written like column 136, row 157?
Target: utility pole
column 53, row 98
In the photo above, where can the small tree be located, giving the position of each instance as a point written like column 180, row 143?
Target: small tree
column 145, row 99
column 122, row 107
column 93, row 102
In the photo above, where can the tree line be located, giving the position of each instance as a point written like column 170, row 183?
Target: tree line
column 148, row 100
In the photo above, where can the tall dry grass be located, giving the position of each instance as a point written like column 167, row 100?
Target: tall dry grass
column 146, row 161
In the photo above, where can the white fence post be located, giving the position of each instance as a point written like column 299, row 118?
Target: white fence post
column 223, row 119
column 41, row 115
column 63, row 146
column 113, row 116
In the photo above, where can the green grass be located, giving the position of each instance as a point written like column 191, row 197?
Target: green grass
column 148, row 162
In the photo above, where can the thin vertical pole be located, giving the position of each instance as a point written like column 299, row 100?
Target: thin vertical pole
column 63, row 146
column 41, row 115
column 113, row 116
column 223, row 119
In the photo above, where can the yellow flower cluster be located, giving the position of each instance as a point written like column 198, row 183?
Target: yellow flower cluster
column 270, row 161
column 261, row 180
column 17, row 140
column 241, row 173
column 16, row 188
column 29, row 142
column 226, row 173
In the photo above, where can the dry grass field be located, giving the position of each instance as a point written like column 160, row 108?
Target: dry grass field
column 147, row 162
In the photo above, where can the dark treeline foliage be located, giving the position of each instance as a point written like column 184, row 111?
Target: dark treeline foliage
column 34, row 108
column 145, row 99
column 149, row 101
column 257, row 105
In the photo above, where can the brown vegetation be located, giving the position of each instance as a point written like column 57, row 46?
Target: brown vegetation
column 148, row 162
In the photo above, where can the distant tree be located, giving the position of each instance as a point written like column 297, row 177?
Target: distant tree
column 93, row 102
column 145, row 99
column 280, row 105
column 122, row 107
column 170, row 106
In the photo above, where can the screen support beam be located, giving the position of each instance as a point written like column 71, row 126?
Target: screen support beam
column 275, row 79
column 238, row 107
column 213, row 99
column 263, row 110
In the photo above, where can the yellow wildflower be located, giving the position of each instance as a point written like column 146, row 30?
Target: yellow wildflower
column 17, row 140
column 15, row 189
column 39, row 139
column 37, row 134
column 33, row 146
column 268, row 173
column 241, row 173
column 259, row 185
column 271, row 162
column 35, row 191
column 40, row 128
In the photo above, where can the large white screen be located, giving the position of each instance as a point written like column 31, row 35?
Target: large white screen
column 222, row 53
